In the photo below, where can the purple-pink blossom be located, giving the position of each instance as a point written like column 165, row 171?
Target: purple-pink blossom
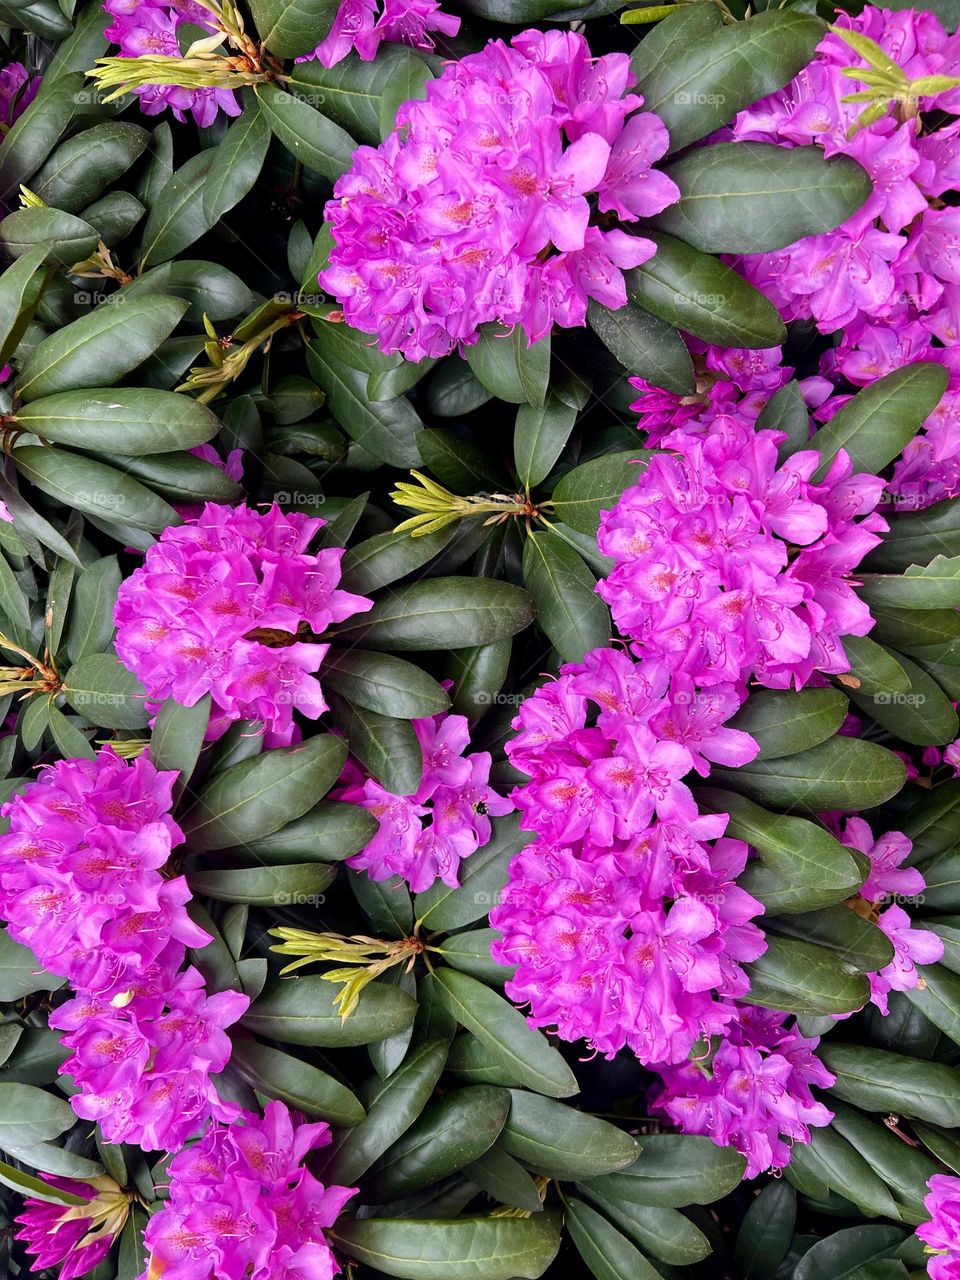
column 941, row 1234
column 74, row 1237
column 752, row 1091
column 17, row 90
column 363, row 25
column 243, row 1205
column 218, row 607
column 454, row 794
column 147, row 28
column 728, row 565
column 623, row 917
column 478, row 208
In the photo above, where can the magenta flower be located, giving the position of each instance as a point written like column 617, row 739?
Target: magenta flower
column 753, row 1092
column 454, row 793
column 622, row 917
column 74, row 1237
column 149, row 27
column 200, row 616
column 941, row 1234
column 17, row 90
column 242, row 1204
column 363, row 25
column 728, row 565
column 481, row 211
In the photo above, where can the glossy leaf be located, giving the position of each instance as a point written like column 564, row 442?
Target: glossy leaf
column 301, row 1011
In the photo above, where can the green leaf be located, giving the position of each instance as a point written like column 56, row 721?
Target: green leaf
column 93, row 488
column 68, row 239
column 386, row 557
column 801, row 866
column 665, row 1233
column 901, row 1166
column 763, row 1240
column 786, row 410
column 297, row 1083
column 388, row 747
column 855, row 941
column 450, row 1133
column 453, row 391
column 125, row 420
column 923, row 716
column 390, row 1112
column 875, row 425
column 36, row 1188
column 557, row 1140
column 673, row 1171
column 892, row 1083
column 874, row 666
column 258, row 796
column 705, row 82
column 470, row 953
column 583, row 493
column 29, row 1115
column 387, row 429
column 802, row 977
column 785, row 721
column 295, row 884
column 97, row 351
column 177, row 738
column 478, row 674
column 89, row 163
column 114, row 215
column 645, row 345
column 939, row 999
column 850, row 1255
column 208, row 288
column 539, row 438
column 473, row 1061
column 510, row 369
column 841, row 773
column 20, row 973
column 689, row 26
column 569, row 611
column 22, row 286
column 238, row 161
column 503, row 1029
column 353, row 92
column 917, row 537
column 463, row 1248
column 457, row 463
column 290, row 28
column 608, row 1254
column 177, row 217
column 330, row 832
column 383, row 683
column 482, row 877
column 500, row 1176
column 301, row 1011
column 33, row 136
column 932, row 586
column 829, row 1157
column 754, row 197
column 311, row 138
column 106, row 693
column 91, row 613
column 442, row 613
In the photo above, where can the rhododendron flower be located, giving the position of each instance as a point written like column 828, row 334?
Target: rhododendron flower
column 889, row 880
column 82, row 885
column 17, row 90
column 728, row 565
column 74, row 1237
column 203, row 613
column 622, row 917
column 242, row 1204
column 454, row 793
column 753, row 1092
column 941, row 1234
column 478, row 207
column 150, row 27
column 362, row 25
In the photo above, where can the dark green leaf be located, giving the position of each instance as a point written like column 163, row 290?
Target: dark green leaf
column 901, row 1166
column 330, row 832
column 454, row 391
column 290, row 28
column 829, row 1157
column 500, row 1176
column 383, row 683
column 923, row 716
column 21, row 288
column 87, row 164
column 301, row 1011
column 273, row 886
column 68, row 238
column 763, row 1240
column 665, row 1233
column 754, row 197
column 177, row 738
column 238, row 161
column 258, row 796
column 482, row 877
column 569, row 611
column 386, row 746
column 785, row 721
column 645, row 345
column 841, row 773
column 675, row 1170
column 874, row 666
column 106, row 693
column 351, row 93
column 29, row 1115
column 508, row 367
column 311, row 138
column 802, row 977
column 608, row 1254
column 539, row 438
column 855, row 941
column 892, row 1083
column 20, row 973
column 93, row 488
column 583, row 493
column 297, row 1083
column 177, row 217
column 845, row 1255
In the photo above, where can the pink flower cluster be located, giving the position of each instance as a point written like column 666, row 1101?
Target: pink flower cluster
column 887, row 884
column 17, row 90
column 888, row 279
column 243, row 1206
column 941, row 1234
column 623, row 916
column 729, row 566
column 363, row 25
column 218, row 607
column 752, row 1092
column 454, row 793
column 477, row 208
column 82, row 885
column 148, row 28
